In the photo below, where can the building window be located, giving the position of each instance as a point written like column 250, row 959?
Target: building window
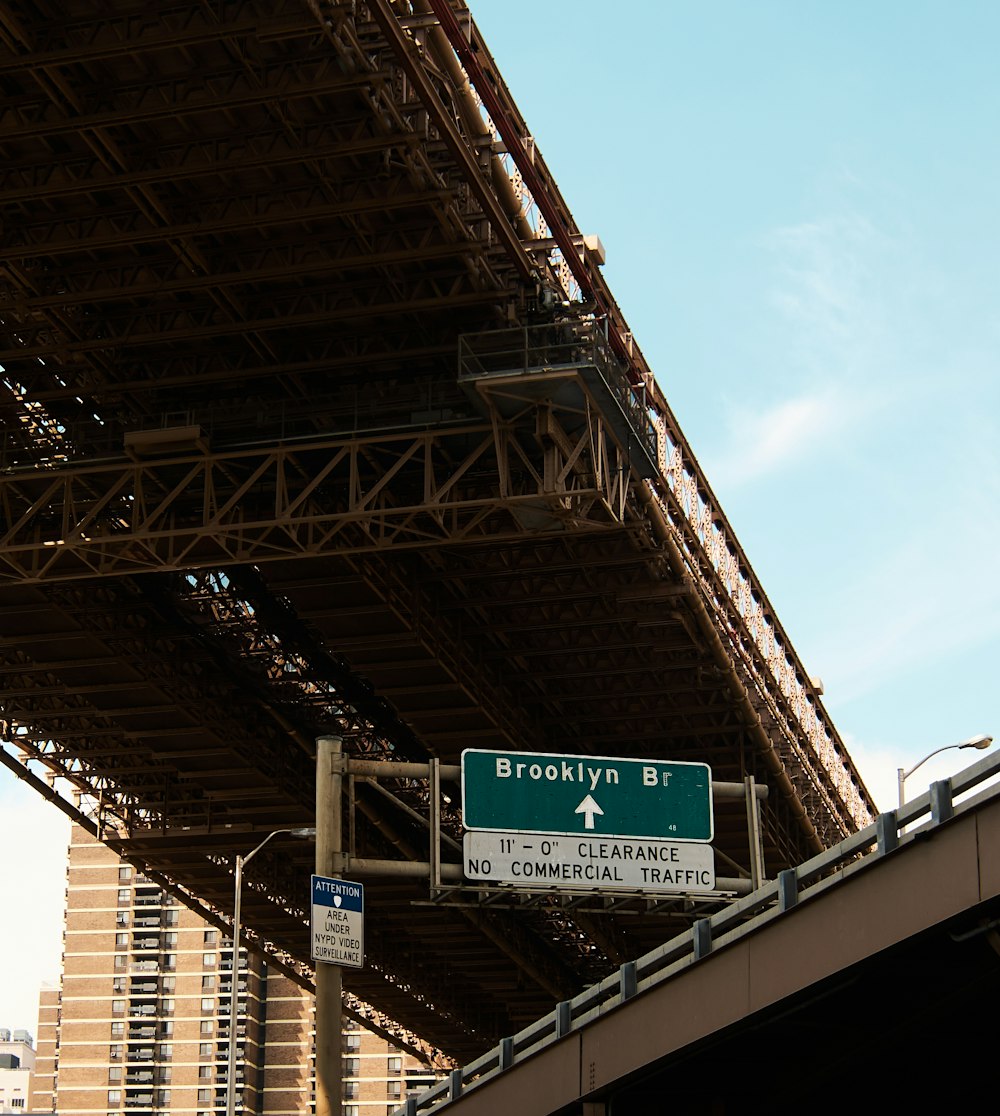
column 124, row 896
column 208, row 960
column 208, row 983
column 117, row 1007
column 352, row 1067
column 205, row 1050
column 204, row 1096
column 352, row 1042
column 120, row 961
column 114, row 1075
column 114, row 1096
column 116, row 1052
column 170, row 960
column 163, row 1098
column 350, row 1090
column 350, row 1110
column 168, row 984
column 211, row 937
column 125, row 872
column 166, row 1051
column 205, row 1072
column 121, row 941
column 395, row 1089
column 208, row 1003
column 167, row 1028
column 395, row 1065
column 167, row 1005
column 206, row 1026
column 118, row 986
column 170, row 939
column 117, row 1030
column 170, row 918
column 121, row 918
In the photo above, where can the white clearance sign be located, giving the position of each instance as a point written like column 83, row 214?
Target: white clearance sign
column 536, row 860
column 338, row 922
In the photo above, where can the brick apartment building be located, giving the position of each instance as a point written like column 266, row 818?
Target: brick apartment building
column 141, row 1022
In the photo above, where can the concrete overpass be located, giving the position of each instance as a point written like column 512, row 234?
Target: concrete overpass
column 867, row 975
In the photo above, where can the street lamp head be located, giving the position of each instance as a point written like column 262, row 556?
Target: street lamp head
column 981, row 742
column 304, row 832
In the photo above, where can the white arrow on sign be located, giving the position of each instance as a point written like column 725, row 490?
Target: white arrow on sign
column 588, row 807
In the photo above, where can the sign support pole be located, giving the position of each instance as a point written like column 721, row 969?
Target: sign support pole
column 435, row 819
column 329, row 978
column 757, row 875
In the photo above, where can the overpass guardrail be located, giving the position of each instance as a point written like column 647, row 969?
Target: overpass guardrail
column 890, row 832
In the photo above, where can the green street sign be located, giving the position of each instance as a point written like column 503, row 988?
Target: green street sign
column 601, row 795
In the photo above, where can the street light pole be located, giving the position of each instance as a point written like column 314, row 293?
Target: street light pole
column 979, row 742
column 241, row 862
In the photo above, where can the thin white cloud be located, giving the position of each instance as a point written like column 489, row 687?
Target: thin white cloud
column 824, row 286
column 764, row 441
column 823, row 313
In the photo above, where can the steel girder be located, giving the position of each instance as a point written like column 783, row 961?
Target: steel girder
column 355, row 494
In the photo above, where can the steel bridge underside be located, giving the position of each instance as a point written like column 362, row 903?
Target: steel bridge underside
column 249, row 494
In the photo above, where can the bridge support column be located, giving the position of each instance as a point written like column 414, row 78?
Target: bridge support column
column 329, row 978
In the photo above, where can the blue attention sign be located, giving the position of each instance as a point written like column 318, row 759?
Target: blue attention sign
column 338, row 922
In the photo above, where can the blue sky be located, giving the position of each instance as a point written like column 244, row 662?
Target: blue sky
column 798, row 203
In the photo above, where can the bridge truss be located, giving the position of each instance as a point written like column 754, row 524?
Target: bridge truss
column 317, row 414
